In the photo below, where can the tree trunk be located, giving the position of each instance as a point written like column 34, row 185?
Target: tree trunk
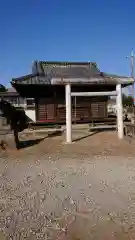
column 16, row 138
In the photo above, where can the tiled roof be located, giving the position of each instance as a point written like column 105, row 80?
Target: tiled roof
column 11, row 90
column 73, row 72
column 68, row 69
column 43, row 73
column 48, row 70
column 31, row 79
column 112, row 75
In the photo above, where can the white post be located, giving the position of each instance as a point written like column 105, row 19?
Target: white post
column 68, row 114
column 119, row 111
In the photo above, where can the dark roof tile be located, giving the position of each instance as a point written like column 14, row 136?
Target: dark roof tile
column 69, row 69
column 43, row 72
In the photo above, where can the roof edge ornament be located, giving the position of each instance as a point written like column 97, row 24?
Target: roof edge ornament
column 37, row 68
column 34, row 67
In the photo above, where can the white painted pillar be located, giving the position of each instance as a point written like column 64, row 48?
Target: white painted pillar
column 68, row 114
column 120, row 125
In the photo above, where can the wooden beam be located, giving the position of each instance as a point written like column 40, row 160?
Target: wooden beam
column 91, row 94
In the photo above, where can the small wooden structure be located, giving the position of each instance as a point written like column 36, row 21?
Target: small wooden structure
column 47, row 85
column 130, row 130
column 13, row 97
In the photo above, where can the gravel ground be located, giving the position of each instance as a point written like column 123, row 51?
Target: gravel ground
column 91, row 184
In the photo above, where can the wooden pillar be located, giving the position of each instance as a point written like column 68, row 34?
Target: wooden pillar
column 68, row 114
column 119, row 111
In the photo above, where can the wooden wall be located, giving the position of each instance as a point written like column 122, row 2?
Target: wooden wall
column 84, row 109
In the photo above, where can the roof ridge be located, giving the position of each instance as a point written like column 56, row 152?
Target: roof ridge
column 68, row 62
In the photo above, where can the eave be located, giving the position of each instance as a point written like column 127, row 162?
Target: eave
column 8, row 94
column 93, row 80
column 41, row 80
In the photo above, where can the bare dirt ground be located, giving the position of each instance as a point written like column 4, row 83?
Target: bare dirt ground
column 85, row 190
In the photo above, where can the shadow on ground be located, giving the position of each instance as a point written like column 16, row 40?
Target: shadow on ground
column 86, row 136
column 93, row 132
column 29, row 143
column 32, row 142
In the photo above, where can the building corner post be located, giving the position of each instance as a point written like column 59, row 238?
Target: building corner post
column 120, row 125
column 68, row 114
